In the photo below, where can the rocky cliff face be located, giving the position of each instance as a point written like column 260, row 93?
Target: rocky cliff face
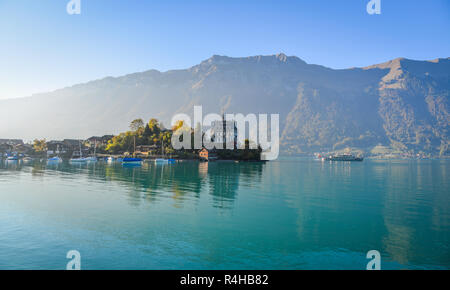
column 402, row 103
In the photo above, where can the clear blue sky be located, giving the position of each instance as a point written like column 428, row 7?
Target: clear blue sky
column 43, row 48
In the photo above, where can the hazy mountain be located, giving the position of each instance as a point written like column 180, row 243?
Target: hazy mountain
column 402, row 103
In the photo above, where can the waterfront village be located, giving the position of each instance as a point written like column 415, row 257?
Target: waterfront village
column 151, row 141
column 144, row 140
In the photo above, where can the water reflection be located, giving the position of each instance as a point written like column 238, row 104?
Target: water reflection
column 416, row 212
column 400, row 207
column 184, row 180
column 287, row 214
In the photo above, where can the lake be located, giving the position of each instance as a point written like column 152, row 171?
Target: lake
column 293, row 213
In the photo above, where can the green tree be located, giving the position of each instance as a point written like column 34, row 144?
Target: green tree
column 40, row 146
column 136, row 125
column 154, row 126
column 147, row 131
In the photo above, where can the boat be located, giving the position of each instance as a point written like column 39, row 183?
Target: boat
column 12, row 158
column 132, row 160
column 342, row 157
column 55, row 159
column 318, row 156
column 27, row 159
column 164, row 160
column 93, row 158
column 110, row 159
column 80, row 159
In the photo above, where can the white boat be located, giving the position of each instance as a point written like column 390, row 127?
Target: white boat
column 164, row 160
column 55, row 159
column 93, row 158
column 343, row 157
column 110, row 159
column 12, row 158
column 80, row 159
column 83, row 159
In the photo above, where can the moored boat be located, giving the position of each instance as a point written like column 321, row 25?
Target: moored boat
column 80, row 159
column 164, row 161
column 12, row 158
column 55, row 159
column 343, row 157
column 93, row 158
column 132, row 161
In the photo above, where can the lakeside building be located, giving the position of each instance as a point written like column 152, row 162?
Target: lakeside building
column 66, row 146
column 14, row 145
column 100, row 141
column 147, row 150
column 207, row 155
column 6, row 148
column 57, row 147
column 203, row 154
column 72, row 144
column 13, row 142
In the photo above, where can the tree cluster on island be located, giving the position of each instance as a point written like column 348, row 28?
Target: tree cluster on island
column 152, row 135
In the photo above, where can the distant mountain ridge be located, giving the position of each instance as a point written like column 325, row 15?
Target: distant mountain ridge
column 403, row 104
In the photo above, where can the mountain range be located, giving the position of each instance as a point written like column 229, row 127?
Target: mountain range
column 401, row 104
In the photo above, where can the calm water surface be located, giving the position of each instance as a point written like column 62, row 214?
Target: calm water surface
column 287, row 214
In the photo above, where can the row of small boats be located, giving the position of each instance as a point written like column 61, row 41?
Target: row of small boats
column 127, row 160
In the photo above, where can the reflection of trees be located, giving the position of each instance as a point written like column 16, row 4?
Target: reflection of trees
column 152, row 181
column 11, row 165
column 224, row 180
column 38, row 169
column 185, row 178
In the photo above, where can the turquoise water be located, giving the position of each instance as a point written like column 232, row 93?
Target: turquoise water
column 286, row 214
